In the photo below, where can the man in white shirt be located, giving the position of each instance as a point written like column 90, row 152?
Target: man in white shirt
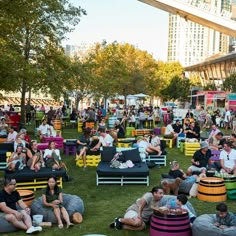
column 105, row 140
column 169, row 132
column 44, row 129
column 228, row 159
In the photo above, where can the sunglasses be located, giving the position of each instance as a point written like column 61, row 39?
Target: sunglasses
column 12, row 183
column 227, row 157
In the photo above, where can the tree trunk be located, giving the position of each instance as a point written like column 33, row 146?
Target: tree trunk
column 23, row 92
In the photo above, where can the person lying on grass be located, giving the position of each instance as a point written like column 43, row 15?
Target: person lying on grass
column 139, row 213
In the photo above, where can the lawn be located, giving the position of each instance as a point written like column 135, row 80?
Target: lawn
column 104, row 203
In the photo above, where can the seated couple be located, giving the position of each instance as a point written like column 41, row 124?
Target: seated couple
column 150, row 146
column 30, row 157
column 34, row 158
column 88, row 145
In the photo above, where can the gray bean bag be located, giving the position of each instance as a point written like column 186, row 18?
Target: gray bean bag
column 72, row 203
column 203, row 226
column 5, row 226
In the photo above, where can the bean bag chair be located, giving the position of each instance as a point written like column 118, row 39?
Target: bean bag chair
column 203, row 226
column 72, row 203
column 5, row 226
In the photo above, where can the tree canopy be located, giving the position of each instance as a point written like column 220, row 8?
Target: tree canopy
column 30, row 37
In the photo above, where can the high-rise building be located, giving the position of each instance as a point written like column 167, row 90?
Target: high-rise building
column 191, row 43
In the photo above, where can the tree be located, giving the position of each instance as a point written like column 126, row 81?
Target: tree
column 229, row 83
column 122, row 69
column 30, row 36
column 178, row 88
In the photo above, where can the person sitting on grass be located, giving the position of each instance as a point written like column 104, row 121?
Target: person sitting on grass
column 139, row 213
column 52, row 197
column 176, row 172
column 224, row 219
column 9, row 201
column 181, row 201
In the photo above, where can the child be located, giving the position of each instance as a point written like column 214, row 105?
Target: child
column 181, row 201
column 224, row 219
column 52, row 197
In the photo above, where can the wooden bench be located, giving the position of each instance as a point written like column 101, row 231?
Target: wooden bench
column 159, row 160
column 91, row 160
column 141, row 132
column 28, row 179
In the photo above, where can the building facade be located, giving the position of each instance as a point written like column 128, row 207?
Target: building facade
column 191, row 43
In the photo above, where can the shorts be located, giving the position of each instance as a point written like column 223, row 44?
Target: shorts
column 195, row 168
column 130, row 214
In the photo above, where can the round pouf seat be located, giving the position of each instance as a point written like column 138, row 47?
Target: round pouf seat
column 170, row 224
column 203, row 226
column 5, row 226
column 27, row 196
column 72, row 203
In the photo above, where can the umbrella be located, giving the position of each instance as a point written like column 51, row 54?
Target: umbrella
column 141, row 95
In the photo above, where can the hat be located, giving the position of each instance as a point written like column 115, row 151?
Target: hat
column 204, row 145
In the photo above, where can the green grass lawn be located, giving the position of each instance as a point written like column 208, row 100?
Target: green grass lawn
column 104, row 203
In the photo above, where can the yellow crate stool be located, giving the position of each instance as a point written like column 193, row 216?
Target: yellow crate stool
column 169, row 142
column 191, row 148
column 124, row 145
column 91, row 160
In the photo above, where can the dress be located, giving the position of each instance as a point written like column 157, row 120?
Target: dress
column 50, row 198
column 82, row 139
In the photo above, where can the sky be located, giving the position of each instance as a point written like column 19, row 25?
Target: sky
column 124, row 21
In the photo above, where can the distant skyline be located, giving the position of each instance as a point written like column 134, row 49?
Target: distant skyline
column 124, row 21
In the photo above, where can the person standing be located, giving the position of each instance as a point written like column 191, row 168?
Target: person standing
column 9, row 199
column 227, row 120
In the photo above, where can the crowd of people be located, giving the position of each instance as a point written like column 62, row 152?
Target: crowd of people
column 203, row 126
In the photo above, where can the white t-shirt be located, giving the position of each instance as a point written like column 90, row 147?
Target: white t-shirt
column 11, row 136
column 106, row 141
column 44, row 129
column 229, row 158
column 155, row 141
column 143, row 144
column 169, row 129
column 49, row 152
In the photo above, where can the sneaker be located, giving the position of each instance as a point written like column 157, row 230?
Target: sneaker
column 118, row 224
column 39, row 228
column 69, row 225
column 33, row 229
column 112, row 225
